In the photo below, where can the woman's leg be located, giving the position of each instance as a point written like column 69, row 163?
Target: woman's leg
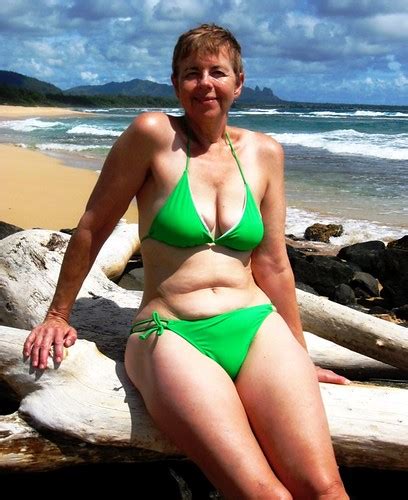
column 195, row 403
column 279, row 390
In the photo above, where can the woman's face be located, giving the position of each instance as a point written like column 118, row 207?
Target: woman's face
column 206, row 84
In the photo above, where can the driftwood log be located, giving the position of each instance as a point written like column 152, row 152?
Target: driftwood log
column 88, row 398
column 374, row 337
column 85, row 410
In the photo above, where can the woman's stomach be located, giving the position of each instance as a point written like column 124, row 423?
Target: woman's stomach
column 197, row 283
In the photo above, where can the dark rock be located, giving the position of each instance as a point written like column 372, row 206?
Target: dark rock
column 323, row 232
column 401, row 244
column 378, row 310
column 306, row 288
column 375, row 301
column 7, row 229
column 401, row 312
column 294, row 252
column 68, row 231
column 321, row 272
column 365, row 255
column 343, row 294
column 365, row 285
column 393, row 275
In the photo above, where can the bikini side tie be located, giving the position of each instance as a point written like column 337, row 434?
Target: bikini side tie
column 158, row 327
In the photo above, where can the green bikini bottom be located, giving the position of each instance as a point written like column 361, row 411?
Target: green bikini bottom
column 225, row 338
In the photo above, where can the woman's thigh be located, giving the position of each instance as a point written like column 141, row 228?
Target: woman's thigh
column 195, row 403
column 280, row 392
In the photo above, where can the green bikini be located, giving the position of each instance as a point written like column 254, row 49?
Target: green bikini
column 226, row 338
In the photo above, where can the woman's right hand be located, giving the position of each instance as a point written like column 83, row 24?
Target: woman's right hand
column 54, row 333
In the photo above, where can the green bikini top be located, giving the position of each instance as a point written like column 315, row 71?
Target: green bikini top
column 178, row 223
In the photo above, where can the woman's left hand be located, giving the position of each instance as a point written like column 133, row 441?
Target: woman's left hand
column 330, row 377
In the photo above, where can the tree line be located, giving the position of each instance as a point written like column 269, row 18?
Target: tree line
column 10, row 95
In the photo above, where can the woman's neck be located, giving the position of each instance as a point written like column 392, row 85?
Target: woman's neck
column 206, row 133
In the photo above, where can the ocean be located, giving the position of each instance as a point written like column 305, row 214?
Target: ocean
column 345, row 164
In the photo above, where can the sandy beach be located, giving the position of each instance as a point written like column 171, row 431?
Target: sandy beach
column 39, row 191
column 7, row 112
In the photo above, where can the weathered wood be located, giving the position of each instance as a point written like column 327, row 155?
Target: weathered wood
column 23, row 448
column 29, row 266
column 351, row 364
column 89, row 398
column 118, row 248
column 373, row 337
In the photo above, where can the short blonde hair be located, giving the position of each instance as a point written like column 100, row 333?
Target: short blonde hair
column 207, row 39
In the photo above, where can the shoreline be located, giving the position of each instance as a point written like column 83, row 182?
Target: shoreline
column 40, row 191
column 361, row 220
column 7, row 111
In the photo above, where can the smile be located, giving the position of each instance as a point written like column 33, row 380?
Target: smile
column 206, row 99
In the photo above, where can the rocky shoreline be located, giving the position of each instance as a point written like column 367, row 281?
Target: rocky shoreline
column 370, row 276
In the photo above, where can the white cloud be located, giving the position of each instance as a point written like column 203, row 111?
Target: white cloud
column 389, row 26
column 307, row 24
column 87, row 76
column 401, row 81
column 305, row 50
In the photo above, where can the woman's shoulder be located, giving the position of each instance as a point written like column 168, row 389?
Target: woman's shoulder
column 261, row 144
column 152, row 126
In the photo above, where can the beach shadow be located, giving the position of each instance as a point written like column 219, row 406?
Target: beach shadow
column 101, row 320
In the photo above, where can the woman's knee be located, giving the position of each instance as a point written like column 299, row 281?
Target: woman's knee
column 324, row 488
column 332, row 490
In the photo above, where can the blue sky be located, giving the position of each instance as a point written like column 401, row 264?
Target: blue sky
column 352, row 51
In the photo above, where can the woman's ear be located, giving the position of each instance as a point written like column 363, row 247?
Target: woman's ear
column 239, row 85
column 175, row 85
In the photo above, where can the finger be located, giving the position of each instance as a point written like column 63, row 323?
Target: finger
column 35, row 350
column 37, row 340
column 334, row 378
column 331, row 377
column 29, row 341
column 58, row 351
column 342, row 380
column 58, row 344
column 44, row 350
column 70, row 337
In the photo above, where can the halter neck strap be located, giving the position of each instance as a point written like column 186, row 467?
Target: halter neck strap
column 234, row 154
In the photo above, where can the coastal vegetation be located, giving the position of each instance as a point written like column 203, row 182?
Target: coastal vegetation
column 19, row 89
column 18, row 96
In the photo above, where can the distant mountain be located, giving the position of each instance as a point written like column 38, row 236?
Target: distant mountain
column 130, row 89
column 258, row 96
column 134, row 87
column 20, row 81
column 139, row 87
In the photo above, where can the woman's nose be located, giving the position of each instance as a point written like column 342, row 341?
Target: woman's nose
column 205, row 79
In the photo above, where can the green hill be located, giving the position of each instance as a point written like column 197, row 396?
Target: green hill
column 16, row 88
column 139, row 87
column 134, row 87
column 12, row 79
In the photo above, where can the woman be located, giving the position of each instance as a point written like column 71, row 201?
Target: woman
column 225, row 376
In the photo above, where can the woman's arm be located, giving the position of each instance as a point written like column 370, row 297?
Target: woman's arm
column 270, row 263
column 122, row 176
